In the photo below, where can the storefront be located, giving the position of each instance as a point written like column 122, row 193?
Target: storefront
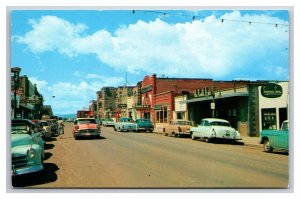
column 229, row 104
column 273, row 105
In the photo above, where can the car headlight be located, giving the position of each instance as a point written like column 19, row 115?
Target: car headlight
column 31, row 153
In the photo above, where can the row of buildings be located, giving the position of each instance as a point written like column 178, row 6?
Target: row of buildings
column 26, row 100
column 250, row 106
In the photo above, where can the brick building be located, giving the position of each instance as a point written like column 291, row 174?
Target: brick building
column 156, row 95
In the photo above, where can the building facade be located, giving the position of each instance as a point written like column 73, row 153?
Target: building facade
column 156, row 96
column 106, row 102
column 29, row 101
column 246, row 106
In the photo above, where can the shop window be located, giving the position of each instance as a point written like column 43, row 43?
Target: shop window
column 162, row 115
column 180, row 115
column 269, row 118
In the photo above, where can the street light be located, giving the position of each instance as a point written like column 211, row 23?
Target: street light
column 16, row 72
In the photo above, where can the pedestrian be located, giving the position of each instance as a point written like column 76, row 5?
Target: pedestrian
column 61, row 126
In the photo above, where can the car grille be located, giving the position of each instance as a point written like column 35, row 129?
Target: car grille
column 19, row 161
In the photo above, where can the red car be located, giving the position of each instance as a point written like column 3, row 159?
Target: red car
column 86, row 127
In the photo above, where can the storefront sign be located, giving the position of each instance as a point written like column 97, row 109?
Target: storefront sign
column 142, row 106
column 122, row 105
column 146, row 89
column 271, row 90
column 212, row 105
column 157, row 107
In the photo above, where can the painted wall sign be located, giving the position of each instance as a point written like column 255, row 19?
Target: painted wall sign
column 146, row 89
column 271, row 90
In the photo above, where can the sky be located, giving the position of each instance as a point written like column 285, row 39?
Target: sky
column 72, row 54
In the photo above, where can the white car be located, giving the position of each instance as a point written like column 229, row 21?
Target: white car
column 125, row 124
column 213, row 128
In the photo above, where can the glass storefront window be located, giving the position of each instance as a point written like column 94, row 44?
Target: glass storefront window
column 162, row 115
column 268, row 118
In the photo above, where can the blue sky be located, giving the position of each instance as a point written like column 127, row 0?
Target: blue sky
column 71, row 54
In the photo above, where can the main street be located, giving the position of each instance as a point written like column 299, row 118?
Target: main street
column 151, row 160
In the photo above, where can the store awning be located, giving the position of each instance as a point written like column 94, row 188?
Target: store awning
column 209, row 98
column 27, row 106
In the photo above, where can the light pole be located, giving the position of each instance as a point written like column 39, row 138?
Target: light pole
column 213, row 104
column 16, row 72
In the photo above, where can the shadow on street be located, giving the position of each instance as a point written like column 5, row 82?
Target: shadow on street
column 47, row 175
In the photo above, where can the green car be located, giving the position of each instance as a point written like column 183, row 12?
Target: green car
column 144, row 125
column 276, row 139
column 27, row 147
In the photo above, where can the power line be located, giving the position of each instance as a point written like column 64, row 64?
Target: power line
column 194, row 17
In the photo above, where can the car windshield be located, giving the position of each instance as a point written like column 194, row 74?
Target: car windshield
column 126, row 120
column 143, row 120
column 184, row 123
column 285, row 126
column 19, row 128
column 219, row 123
column 87, row 121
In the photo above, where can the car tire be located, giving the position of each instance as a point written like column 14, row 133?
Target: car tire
column 207, row 140
column 267, row 147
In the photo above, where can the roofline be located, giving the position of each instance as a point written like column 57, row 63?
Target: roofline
column 206, row 98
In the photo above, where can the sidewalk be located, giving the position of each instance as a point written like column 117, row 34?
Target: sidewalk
column 251, row 141
column 248, row 141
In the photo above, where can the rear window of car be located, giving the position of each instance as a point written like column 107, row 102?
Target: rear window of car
column 218, row 123
column 87, row 121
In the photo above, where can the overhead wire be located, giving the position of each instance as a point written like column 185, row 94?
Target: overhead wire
column 194, row 17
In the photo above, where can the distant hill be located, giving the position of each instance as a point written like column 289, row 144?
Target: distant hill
column 67, row 115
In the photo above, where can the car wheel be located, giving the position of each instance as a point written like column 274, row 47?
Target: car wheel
column 151, row 131
column 267, row 147
column 208, row 140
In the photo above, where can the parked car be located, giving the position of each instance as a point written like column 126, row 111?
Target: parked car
column 54, row 127
column 276, row 139
column 214, row 128
column 40, row 129
column 47, row 128
column 178, row 128
column 144, row 125
column 125, row 124
column 27, row 147
column 108, row 122
column 86, row 127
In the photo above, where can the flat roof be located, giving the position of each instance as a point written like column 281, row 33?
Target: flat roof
column 206, row 98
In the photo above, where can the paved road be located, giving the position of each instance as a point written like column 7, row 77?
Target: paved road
column 150, row 160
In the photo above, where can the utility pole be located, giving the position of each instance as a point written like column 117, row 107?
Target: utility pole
column 16, row 72
column 213, row 104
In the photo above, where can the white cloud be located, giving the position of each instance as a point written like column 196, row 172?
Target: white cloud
column 40, row 84
column 206, row 48
column 66, row 97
